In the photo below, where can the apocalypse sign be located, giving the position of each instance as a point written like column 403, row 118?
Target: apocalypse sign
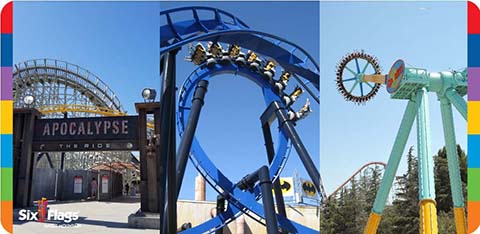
column 86, row 134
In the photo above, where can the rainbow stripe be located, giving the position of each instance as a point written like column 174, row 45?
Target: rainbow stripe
column 6, row 119
column 473, row 117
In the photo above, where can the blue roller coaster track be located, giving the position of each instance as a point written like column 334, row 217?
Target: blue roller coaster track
column 228, row 29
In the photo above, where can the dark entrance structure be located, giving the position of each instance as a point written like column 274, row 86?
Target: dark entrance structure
column 23, row 157
column 120, row 133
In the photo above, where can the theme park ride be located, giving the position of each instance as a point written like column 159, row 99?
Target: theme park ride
column 412, row 84
column 58, row 89
column 223, row 44
column 378, row 167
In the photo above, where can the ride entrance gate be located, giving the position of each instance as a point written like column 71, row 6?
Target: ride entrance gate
column 120, row 133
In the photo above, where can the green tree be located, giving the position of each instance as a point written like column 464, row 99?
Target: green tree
column 446, row 222
column 405, row 205
column 348, row 211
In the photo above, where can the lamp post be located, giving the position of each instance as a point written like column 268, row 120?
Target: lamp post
column 29, row 100
column 149, row 94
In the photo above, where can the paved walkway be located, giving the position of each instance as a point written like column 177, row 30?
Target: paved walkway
column 94, row 217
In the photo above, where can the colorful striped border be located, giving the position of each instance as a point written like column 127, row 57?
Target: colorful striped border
column 6, row 119
column 473, row 118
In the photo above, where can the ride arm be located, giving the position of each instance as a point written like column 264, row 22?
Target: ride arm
column 379, row 79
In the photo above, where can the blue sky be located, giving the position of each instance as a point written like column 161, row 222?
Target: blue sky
column 430, row 35
column 119, row 42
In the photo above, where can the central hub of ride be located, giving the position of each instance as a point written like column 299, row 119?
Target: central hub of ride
column 359, row 77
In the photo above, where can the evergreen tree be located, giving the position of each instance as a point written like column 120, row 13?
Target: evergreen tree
column 446, row 222
column 348, row 211
column 405, row 204
column 442, row 182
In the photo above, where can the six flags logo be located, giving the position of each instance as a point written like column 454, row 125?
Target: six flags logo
column 43, row 214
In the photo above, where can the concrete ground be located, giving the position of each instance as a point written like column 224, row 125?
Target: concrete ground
column 94, row 217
